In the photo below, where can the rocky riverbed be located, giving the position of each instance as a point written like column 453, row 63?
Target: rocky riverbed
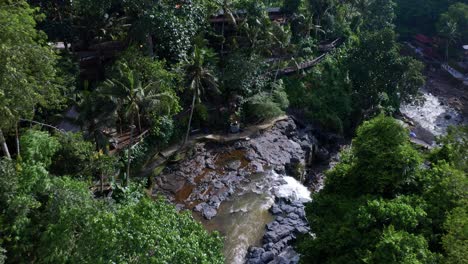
column 250, row 190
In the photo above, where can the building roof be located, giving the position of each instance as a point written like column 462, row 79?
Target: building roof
column 423, row 38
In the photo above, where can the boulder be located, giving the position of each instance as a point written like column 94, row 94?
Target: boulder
column 233, row 165
column 209, row 212
column 267, row 256
column 275, row 210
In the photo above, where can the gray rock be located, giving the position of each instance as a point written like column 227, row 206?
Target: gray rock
column 209, row 212
column 267, row 256
column 302, row 229
column 199, row 207
column 293, row 216
column 233, row 165
column 287, row 208
column 255, row 252
column 275, row 210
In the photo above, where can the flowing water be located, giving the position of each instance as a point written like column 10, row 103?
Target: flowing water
column 242, row 219
column 432, row 115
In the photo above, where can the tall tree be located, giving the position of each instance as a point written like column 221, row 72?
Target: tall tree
column 381, row 77
column 27, row 74
column 200, row 77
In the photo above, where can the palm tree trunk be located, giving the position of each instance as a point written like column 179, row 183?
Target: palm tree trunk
column 129, row 154
column 139, row 122
column 222, row 44
column 190, row 118
column 4, row 145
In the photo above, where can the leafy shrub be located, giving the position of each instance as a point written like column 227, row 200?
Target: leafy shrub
column 48, row 219
column 162, row 130
column 73, row 157
column 266, row 105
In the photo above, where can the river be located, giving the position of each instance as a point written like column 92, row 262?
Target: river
column 439, row 108
column 231, row 189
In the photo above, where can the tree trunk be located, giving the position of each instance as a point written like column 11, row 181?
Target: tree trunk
column 17, row 140
column 132, row 127
column 222, row 44
column 190, row 118
column 102, row 182
column 4, row 145
column 139, row 122
column 150, row 46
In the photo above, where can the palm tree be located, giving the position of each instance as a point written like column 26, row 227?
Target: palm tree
column 449, row 31
column 132, row 97
column 200, row 78
column 281, row 36
column 228, row 12
column 95, row 114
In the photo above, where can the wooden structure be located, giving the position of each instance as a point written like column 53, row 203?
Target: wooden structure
column 121, row 142
column 93, row 59
column 329, row 47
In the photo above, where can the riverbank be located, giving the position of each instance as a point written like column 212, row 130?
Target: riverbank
column 231, row 186
column 444, row 103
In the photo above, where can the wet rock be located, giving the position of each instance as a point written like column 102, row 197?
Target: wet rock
column 287, row 208
column 206, row 210
column 322, row 154
column 209, row 163
column 280, row 169
column 199, row 207
column 209, row 212
column 239, row 145
column 276, row 210
column 302, row 229
column 267, row 257
column 233, row 165
column 448, row 117
column 256, row 252
column 257, row 166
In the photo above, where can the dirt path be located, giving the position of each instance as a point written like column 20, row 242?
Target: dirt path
column 161, row 157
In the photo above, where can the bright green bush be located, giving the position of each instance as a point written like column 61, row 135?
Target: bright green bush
column 47, row 219
column 380, row 205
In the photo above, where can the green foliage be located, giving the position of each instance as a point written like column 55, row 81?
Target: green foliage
column 419, row 16
column 378, row 14
column 455, row 242
column 27, row 73
column 453, row 24
column 134, row 98
column 147, row 231
column 38, row 148
column 385, row 161
column 386, row 207
column 454, row 148
column 172, row 23
column 325, row 94
column 401, row 247
column 244, row 74
column 74, row 156
column 266, row 105
column 162, row 130
column 380, row 76
column 47, row 219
